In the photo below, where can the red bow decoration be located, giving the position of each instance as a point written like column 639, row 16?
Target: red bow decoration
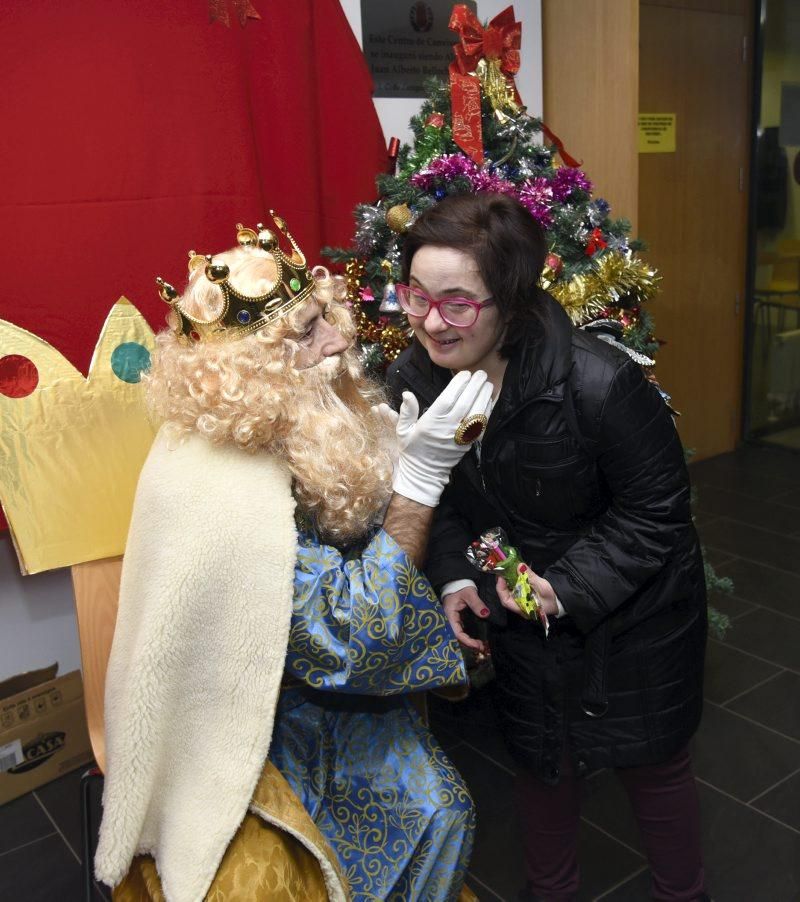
column 498, row 44
column 596, row 242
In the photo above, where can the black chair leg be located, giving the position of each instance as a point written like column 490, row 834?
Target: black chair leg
column 87, row 832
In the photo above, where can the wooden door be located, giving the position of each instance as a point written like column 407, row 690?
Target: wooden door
column 590, row 69
column 693, row 61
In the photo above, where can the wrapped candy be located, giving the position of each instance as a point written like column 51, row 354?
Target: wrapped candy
column 492, row 554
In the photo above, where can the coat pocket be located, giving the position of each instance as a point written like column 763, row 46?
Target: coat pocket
column 671, row 665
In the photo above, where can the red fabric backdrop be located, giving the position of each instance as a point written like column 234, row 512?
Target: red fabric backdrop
column 134, row 130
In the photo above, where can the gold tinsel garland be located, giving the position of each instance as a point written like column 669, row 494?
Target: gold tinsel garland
column 616, row 276
column 353, row 273
column 392, row 339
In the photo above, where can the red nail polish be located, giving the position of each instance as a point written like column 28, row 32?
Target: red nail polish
column 485, row 612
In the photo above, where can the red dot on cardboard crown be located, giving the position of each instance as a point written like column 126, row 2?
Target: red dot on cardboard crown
column 18, row 376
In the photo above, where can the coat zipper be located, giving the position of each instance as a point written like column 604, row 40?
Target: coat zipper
column 480, row 471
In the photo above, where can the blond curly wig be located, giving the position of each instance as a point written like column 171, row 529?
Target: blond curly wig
column 255, row 393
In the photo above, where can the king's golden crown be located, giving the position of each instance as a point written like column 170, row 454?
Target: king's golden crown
column 242, row 314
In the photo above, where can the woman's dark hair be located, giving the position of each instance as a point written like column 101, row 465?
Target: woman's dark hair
column 505, row 241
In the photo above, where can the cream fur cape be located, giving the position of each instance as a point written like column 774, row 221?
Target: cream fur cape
column 197, row 658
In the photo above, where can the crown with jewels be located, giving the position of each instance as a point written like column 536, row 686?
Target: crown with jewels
column 242, row 314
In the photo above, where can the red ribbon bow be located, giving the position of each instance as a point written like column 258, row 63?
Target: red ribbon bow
column 596, row 242
column 500, row 40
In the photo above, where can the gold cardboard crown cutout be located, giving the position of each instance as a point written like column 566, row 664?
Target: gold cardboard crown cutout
column 241, row 314
column 71, row 447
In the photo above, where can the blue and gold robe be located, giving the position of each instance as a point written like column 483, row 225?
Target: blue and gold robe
column 366, row 632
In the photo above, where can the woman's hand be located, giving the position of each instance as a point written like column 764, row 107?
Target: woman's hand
column 454, row 604
column 544, row 592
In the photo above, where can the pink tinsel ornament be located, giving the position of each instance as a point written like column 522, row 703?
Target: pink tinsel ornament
column 446, row 167
column 488, row 181
column 537, row 196
column 567, row 180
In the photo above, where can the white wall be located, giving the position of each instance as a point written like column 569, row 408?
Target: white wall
column 394, row 112
column 37, row 619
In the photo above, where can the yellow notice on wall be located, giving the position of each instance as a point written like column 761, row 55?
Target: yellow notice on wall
column 656, row 132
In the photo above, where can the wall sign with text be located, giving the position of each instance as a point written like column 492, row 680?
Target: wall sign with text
column 656, row 132
column 407, row 43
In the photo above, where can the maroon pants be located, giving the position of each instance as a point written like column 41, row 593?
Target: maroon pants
column 664, row 800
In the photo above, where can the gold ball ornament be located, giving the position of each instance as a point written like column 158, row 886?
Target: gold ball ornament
column 246, row 237
column 216, row 272
column 398, row 218
column 267, row 239
column 196, row 261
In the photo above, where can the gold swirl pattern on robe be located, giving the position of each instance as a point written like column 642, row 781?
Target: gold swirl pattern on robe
column 383, row 793
column 381, row 790
column 368, row 626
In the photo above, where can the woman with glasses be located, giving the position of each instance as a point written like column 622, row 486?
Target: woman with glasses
column 581, row 465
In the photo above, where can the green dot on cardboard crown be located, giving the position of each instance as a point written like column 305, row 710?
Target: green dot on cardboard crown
column 129, row 360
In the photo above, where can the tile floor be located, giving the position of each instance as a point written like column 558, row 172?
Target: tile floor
column 746, row 754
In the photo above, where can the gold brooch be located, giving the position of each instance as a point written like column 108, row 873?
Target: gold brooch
column 470, row 429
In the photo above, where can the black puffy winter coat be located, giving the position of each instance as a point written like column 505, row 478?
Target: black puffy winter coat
column 582, row 465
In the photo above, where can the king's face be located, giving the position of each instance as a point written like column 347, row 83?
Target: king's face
column 318, row 339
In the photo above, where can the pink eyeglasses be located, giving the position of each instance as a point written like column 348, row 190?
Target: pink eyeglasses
column 458, row 312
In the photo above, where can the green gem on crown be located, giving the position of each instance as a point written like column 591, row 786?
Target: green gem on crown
column 294, row 284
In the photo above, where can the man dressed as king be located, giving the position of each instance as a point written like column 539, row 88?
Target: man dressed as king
column 261, row 743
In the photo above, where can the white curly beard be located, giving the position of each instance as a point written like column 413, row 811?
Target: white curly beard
column 339, row 450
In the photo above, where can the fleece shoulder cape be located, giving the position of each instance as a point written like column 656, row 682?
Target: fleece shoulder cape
column 198, row 654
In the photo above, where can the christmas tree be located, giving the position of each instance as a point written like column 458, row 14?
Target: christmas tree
column 473, row 134
column 592, row 267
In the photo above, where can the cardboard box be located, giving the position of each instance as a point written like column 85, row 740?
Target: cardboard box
column 42, row 729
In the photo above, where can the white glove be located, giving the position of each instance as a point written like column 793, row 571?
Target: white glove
column 428, row 450
column 383, row 412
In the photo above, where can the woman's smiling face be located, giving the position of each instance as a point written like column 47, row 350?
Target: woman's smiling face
column 444, row 272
